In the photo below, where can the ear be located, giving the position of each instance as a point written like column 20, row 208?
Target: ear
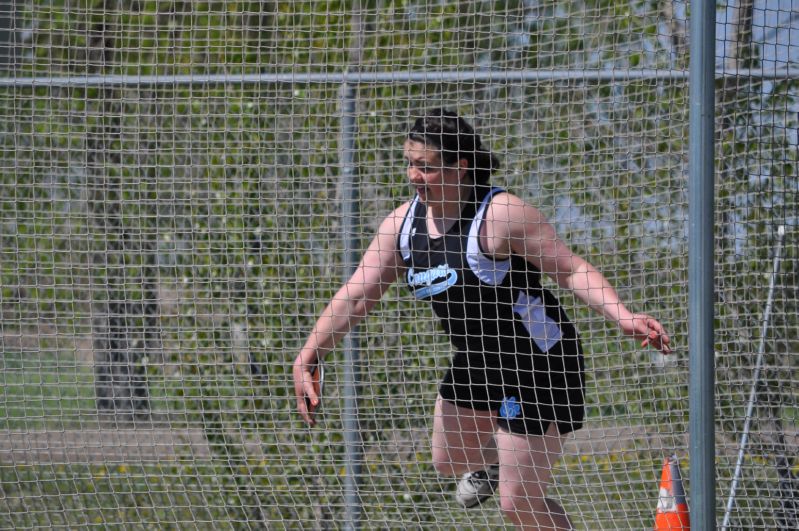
column 463, row 167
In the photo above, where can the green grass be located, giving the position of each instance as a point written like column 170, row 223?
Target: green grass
column 43, row 389
column 53, row 390
column 109, row 496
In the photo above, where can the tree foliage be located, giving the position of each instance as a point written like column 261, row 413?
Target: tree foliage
column 194, row 228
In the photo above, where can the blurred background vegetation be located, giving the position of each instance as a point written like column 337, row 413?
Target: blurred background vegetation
column 166, row 245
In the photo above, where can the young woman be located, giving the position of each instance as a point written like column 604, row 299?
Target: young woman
column 515, row 386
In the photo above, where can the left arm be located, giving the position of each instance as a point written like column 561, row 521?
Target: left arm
column 591, row 287
column 513, row 226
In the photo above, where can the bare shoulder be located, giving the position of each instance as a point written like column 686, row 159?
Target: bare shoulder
column 389, row 229
column 515, row 226
column 507, row 208
column 382, row 263
column 392, row 224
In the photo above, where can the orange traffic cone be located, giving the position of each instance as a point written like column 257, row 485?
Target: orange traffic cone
column 672, row 512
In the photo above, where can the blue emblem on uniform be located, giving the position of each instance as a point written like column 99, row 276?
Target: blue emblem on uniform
column 510, row 409
column 432, row 281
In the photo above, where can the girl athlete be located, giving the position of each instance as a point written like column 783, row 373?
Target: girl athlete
column 515, row 386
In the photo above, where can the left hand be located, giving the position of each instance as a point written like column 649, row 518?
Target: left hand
column 648, row 330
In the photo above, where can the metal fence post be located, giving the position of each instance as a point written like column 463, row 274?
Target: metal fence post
column 700, row 266
column 350, row 345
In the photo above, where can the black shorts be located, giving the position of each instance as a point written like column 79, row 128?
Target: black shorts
column 528, row 391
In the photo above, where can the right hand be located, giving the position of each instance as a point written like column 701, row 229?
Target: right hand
column 303, row 389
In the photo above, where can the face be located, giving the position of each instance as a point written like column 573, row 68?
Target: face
column 430, row 177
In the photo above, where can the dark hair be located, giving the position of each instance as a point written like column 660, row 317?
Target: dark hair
column 455, row 139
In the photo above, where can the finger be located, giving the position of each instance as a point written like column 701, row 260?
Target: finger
column 656, row 334
column 311, row 404
column 305, row 405
column 311, row 398
column 306, row 415
column 659, row 342
column 649, row 323
column 661, row 339
column 310, row 393
column 664, row 344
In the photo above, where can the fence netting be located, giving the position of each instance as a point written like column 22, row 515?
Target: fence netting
column 171, row 225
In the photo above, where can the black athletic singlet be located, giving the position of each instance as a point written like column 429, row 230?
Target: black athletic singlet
column 516, row 352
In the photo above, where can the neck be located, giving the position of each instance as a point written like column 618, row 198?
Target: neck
column 442, row 215
column 445, row 210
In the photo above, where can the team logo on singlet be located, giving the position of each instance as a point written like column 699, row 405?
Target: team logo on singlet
column 432, row 281
column 510, row 408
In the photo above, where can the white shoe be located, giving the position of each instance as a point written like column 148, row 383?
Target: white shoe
column 476, row 487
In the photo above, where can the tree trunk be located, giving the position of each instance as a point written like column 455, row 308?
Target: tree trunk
column 126, row 309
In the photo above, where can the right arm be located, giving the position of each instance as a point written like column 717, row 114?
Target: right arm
column 380, row 266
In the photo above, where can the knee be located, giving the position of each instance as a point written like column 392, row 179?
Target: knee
column 442, row 463
column 522, row 506
column 447, row 464
column 445, row 469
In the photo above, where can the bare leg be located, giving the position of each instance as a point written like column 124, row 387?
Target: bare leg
column 525, row 471
column 463, row 439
